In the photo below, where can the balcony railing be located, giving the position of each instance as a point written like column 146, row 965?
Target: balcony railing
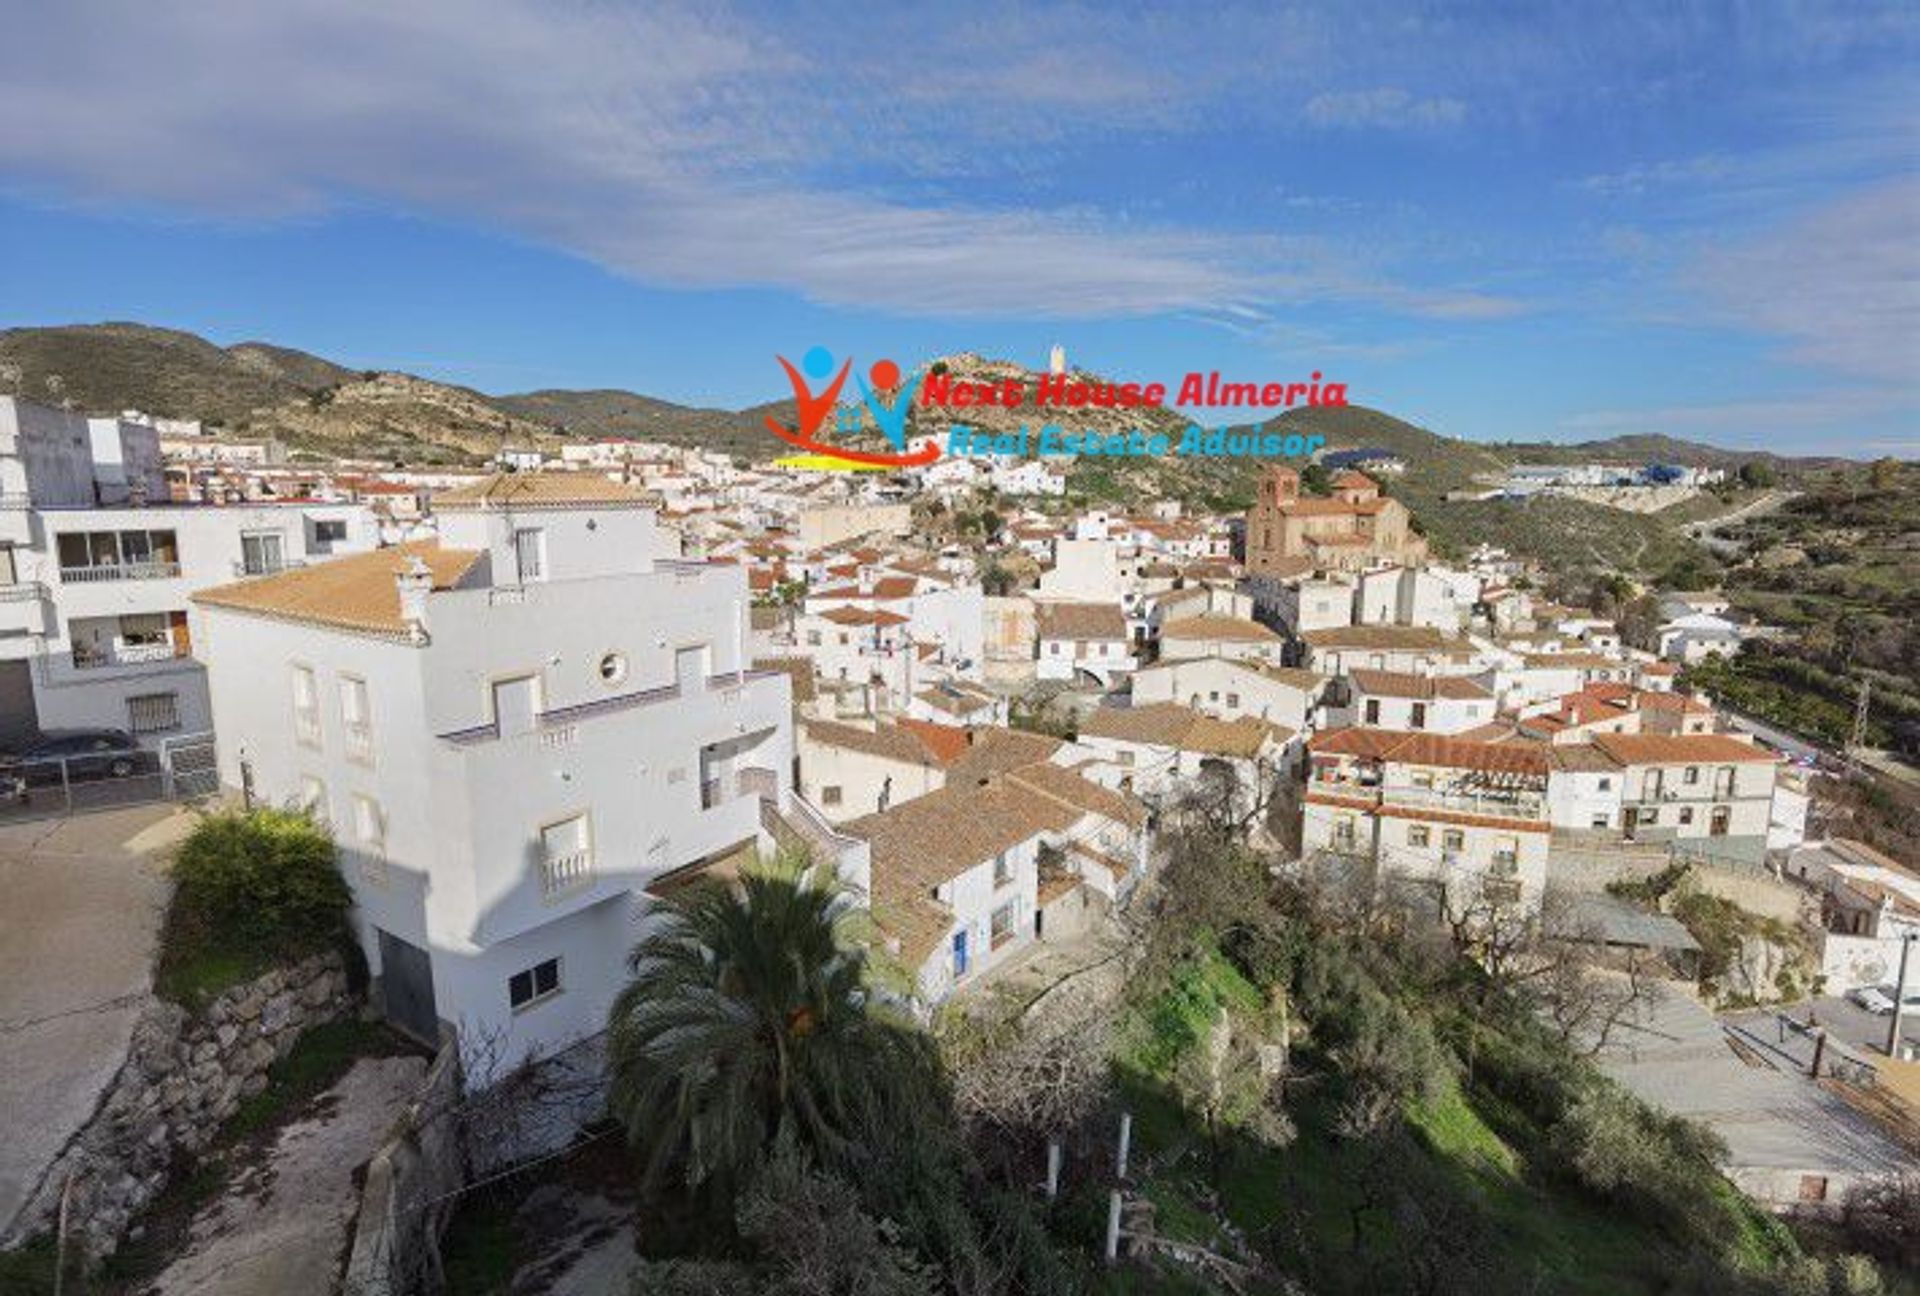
column 562, row 873
column 563, row 716
column 1506, row 805
column 128, row 655
column 22, row 592
column 265, row 567
column 119, row 572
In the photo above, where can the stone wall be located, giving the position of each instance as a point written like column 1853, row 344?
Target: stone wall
column 184, row 1076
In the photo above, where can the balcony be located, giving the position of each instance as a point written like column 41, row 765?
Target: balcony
column 122, row 653
column 1515, row 804
column 729, row 690
column 119, row 572
column 358, row 740
column 562, row 873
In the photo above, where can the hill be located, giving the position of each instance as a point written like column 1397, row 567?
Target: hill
column 111, row 367
column 613, row 413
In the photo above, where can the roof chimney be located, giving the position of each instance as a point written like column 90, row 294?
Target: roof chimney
column 415, row 582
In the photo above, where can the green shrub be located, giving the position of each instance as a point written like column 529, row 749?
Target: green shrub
column 250, row 888
column 264, row 877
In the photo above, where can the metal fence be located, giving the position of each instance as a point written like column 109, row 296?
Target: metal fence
column 180, row 769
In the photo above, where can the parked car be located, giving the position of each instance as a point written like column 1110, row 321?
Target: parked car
column 1874, row 999
column 85, row 754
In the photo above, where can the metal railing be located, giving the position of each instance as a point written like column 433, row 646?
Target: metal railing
column 118, row 572
column 22, row 591
column 125, row 654
column 182, row 768
column 1509, row 805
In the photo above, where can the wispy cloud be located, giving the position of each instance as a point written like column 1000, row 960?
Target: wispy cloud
column 684, row 147
column 1840, row 285
column 1388, row 107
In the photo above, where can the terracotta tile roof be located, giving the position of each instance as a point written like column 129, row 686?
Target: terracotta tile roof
column 895, row 742
column 1404, row 638
column 956, row 698
column 797, row 669
column 1401, row 684
column 924, row 843
column 1682, row 749
column 1212, row 626
column 947, row 743
column 995, row 751
column 1569, row 661
column 1068, row 788
column 1350, row 480
column 1432, row 749
column 542, row 490
column 1169, row 724
column 1080, row 621
column 1582, row 758
column 851, row 616
column 352, row 593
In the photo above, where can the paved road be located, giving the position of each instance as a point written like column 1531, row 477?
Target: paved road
column 1853, row 1026
column 77, row 932
column 1676, row 1056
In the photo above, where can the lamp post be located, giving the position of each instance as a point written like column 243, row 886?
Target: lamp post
column 1899, row 996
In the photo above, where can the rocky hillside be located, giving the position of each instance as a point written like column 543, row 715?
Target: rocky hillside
column 614, row 413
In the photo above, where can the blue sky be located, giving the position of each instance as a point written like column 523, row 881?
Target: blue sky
column 1509, row 222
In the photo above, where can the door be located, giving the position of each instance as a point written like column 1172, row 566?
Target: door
column 406, row 984
column 959, row 954
column 1629, row 821
column 1717, row 825
column 260, row 553
column 691, row 668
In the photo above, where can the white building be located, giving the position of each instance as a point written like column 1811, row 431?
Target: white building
column 1229, row 689
column 1467, row 818
column 517, row 733
column 1442, row 704
column 97, row 573
column 1212, row 635
column 1082, row 641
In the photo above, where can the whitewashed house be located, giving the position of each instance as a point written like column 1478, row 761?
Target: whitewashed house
column 1442, row 704
column 1086, row 641
column 516, row 733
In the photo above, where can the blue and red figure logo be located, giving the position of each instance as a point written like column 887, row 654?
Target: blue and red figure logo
column 813, row 410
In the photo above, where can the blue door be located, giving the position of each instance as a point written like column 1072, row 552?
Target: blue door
column 959, row 953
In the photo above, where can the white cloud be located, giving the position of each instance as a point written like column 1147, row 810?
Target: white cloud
column 679, row 146
column 1839, row 284
column 1388, row 107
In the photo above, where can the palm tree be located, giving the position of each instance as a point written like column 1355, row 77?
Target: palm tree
column 749, row 1021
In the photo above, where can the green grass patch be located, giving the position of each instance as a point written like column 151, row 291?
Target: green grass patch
column 195, row 968
column 323, row 1055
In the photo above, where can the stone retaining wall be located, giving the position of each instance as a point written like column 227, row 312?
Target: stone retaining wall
column 183, row 1078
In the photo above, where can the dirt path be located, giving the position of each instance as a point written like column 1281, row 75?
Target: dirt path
column 280, row 1228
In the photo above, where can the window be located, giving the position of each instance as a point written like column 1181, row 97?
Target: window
column 313, row 797
column 1692, row 775
column 1213, row 695
column 1419, row 715
column 1002, row 869
column 369, row 824
column 1419, row 835
column 1233, row 699
column 356, row 720
column 153, row 713
column 306, row 706
column 1605, row 785
column 1001, row 925
column 1686, row 814
column 830, row 795
column 329, row 531
column 1650, row 815
column 1506, row 855
column 613, row 668
column 1453, row 839
column 538, row 983
column 1373, row 710
column 530, row 553
column 261, row 553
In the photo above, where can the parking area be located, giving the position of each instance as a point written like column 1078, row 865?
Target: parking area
column 1852, row 1025
column 84, row 900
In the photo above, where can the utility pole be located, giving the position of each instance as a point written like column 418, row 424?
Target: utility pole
column 1858, row 738
column 1899, row 997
